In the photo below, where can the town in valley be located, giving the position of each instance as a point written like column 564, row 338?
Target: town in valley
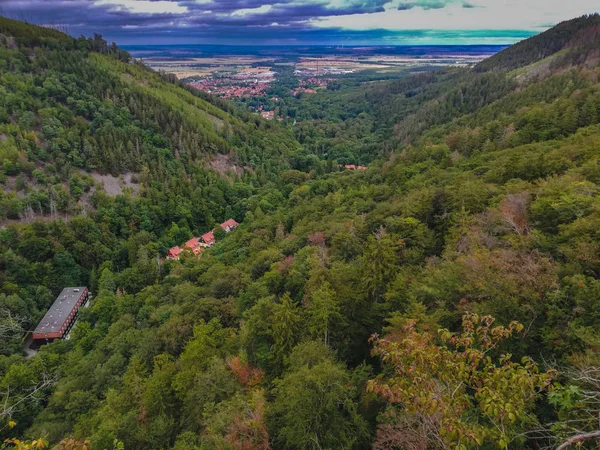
column 270, row 81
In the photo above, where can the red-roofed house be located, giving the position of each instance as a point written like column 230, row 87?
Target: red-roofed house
column 174, row 252
column 350, row 166
column 229, row 225
column 208, row 238
column 194, row 245
column 361, row 167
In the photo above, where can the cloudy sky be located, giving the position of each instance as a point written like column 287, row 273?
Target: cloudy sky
column 361, row 22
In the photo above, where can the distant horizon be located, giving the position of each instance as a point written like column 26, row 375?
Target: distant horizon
column 188, row 51
column 349, row 46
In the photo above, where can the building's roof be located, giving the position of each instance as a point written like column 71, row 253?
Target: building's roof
column 209, row 237
column 59, row 311
column 229, row 223
column 192, row 243
column 174, row 251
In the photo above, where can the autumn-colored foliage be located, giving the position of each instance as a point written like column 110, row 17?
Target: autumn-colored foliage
column 17, row 444
column 247, row 430
column 70, row 443
column 513, row 210
column 317, row 238
column 246, row 374
column 452, row 390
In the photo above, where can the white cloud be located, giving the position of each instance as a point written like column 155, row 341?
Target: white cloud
column 485, row 15
column 263, row 9
column 145, row 6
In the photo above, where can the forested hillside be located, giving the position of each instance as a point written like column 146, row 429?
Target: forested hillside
column 578, row 36
column 447, row 297
column 72, row 108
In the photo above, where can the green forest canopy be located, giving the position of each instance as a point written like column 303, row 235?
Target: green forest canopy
column 348, row 306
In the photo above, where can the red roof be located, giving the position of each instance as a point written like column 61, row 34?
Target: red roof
column 209, row 238
column 350, row 166
column 174, row 252
column 192, row 243
column 361, row 168
column 229, row 223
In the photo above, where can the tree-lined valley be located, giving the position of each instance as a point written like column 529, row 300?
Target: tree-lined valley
column 448, row 296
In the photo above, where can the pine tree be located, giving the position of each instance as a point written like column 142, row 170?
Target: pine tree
column 324, row 312
column 286, row 329
column 379, row 264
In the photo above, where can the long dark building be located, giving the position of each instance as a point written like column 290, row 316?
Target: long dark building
column 59, row 319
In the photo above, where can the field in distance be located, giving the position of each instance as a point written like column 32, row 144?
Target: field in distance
column 210, row 60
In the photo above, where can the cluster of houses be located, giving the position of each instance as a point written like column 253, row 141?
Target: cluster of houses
column 197, row 245
column 228, row 87
column 352, row 167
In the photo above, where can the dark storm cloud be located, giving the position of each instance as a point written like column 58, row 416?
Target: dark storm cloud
column 216, row 19
column 283, row 15
column 219, row 21
column 230, row 6
column 86, row 16
column 78, row 16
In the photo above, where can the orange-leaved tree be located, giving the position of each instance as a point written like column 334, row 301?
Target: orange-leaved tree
column 454, row 390
column 68, row 443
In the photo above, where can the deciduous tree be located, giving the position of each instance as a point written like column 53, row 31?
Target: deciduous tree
column 455, row 390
